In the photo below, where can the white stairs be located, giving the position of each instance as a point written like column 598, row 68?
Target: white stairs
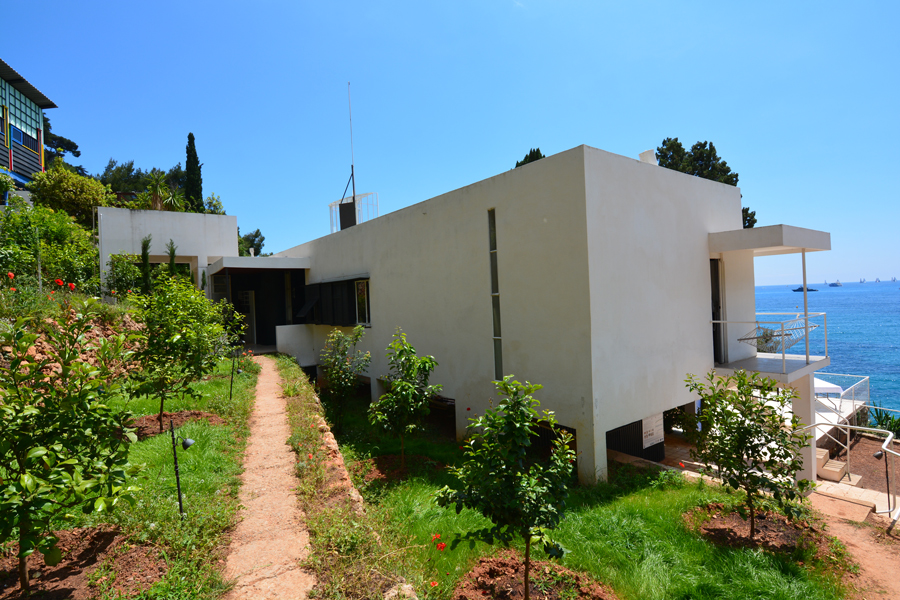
column 834, row 470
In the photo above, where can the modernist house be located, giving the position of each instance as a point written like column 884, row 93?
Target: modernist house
column 603, row 278
column 21, row 125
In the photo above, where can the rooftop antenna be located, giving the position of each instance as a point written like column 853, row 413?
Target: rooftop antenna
column 350, row 109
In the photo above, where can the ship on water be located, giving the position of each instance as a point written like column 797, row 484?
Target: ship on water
column 836, row 284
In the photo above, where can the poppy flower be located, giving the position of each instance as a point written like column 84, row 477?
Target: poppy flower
column 310, row 457
column 433, row 583
column 72, row 287
column 441, row 546
column 436, row 536
column 681, row 464
column 52, row 292
column 127, row 291
column 10, row 275
column 12, row 289
column 59, row 282
column 113, row 292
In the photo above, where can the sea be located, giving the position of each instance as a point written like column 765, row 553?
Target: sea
column 863, row 330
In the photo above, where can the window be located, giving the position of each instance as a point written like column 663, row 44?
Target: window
column 362, row 302
column 16, row 134
column 495, row 295
column 220, row 285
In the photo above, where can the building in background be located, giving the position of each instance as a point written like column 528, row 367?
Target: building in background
column 21, row 125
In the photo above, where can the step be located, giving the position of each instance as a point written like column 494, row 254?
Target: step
column 839, row 505
column 821, row 458
column 834, row 470
column 851, row 479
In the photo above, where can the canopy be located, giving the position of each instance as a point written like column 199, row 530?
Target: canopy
column 823, row 387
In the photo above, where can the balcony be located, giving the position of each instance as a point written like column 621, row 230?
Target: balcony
column 772, row 334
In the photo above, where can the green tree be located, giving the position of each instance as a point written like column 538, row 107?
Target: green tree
column 181, row 341
column 702, row 161
column 64, row 190
column 61, row 446
column 122, row 273
column 56, row 146
column 523, row 499
column 172, row 251
column 193, row 184
column 743, row 432
column 146, row 281
column 342, row 365
column 254, row 239
column 533, row 155
column 66, row 249
column 123, row 177
column 213, row 205
column 401, row 410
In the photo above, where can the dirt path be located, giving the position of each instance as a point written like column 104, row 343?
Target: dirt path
column 876, row 549
column 271, row 538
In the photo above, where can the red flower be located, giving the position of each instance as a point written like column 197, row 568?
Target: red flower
column 113, row 292
column 52, row 292
column 12, row 289
column 72, row 287
column 441, row 546
column 468, row 409
column 310, row 457
column 433, row 583
column 59, row 282
column 436, row 536
column 127, row 291
column 681, row 464
column 10, row 275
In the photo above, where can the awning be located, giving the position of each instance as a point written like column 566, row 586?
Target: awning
column 823, row 387
column 258, row 263
column 773, row 239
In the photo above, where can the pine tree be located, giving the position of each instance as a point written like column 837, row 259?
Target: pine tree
column 193, row 184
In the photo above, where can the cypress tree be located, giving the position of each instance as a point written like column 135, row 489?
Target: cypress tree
column 193, row 182
column 145, row 265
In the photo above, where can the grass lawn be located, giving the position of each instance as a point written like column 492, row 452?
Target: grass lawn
column 628, row 533
column 210, row 481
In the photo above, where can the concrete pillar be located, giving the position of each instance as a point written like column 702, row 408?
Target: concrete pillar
column 804, row 406
column 592, row 465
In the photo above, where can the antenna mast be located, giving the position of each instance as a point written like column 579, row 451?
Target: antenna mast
column 350, row 108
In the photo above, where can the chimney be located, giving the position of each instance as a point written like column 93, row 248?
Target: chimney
column 649, row 157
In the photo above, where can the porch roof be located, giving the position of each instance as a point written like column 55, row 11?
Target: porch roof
column 258, row 263
column 774, row 239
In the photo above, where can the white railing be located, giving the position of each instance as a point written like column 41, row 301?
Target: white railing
column 783, row 333
column 887, row 453
column 854, row 388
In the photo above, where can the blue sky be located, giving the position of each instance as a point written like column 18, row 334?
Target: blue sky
column 801, row 99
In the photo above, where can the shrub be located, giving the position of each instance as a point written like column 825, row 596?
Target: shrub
column 123, row 274
column 62, row 190
column 182, row 339
column 742, row 432
column 342, row 367
column 521, row 498
column 402, row 408
column 61, row 447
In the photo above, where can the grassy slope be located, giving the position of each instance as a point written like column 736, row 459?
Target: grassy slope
column 209, row 482
column 629, row 534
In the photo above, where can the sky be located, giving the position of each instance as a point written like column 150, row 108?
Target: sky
column 800, row 99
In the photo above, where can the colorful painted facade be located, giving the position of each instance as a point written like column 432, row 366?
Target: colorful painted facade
column 21, row 125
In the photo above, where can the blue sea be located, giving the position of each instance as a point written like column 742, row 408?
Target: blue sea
column 863, row 330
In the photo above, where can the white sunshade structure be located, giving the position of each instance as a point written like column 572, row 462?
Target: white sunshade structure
column 826, row 389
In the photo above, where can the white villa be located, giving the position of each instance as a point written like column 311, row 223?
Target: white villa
column 603, row 278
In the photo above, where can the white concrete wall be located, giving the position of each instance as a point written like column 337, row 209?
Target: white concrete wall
column 201, row 239
column 429, row 273
column 649, row 285
column 297, row 341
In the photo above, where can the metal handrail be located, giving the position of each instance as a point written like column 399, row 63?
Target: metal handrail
column 885, row 447
column 798, row 316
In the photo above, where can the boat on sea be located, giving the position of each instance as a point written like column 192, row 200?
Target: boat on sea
column 877, row 280
column 836, row 284
column 808, row 289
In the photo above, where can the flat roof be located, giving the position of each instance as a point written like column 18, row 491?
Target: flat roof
column 770, row 240
column 258, row 263
column 13, row 78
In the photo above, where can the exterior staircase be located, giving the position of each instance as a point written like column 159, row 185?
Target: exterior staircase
column 834, row 470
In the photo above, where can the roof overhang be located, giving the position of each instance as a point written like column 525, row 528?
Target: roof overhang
column 258, row 263
column 13, row 78
column 771, row 240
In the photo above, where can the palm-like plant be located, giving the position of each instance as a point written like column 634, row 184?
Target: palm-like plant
column 158, row 189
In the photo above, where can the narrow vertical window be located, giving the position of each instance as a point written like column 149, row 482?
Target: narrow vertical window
column 495, row 295
column 362, row 302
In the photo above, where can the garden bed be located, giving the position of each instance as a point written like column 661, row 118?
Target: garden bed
column 95, row 560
